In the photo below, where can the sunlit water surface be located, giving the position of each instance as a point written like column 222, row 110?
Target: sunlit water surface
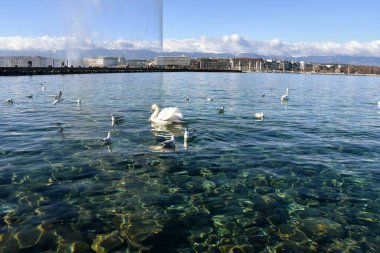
column 304, row 179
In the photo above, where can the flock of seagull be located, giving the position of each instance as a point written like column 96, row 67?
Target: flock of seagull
column 164, row 117
column 172, row 115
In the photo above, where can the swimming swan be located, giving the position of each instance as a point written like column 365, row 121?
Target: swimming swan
column 168, row 115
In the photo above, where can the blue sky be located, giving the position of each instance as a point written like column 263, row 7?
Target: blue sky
column 281, row 27
column 289, row 20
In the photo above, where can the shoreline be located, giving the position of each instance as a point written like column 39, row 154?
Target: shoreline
column 30, row 71
column 26, row 71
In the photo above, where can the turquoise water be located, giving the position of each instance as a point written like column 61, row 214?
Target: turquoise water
column 304, row 179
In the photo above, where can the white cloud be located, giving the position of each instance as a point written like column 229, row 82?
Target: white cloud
column 227, row 44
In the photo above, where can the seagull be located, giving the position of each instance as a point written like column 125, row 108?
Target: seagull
column 116, row 119
column 221, row 109
column 378, row 104
column 259, row 115
column 263, row 95
column 58, row 98
column 188, row 135
column 169, row 143
column 43, row 88
column 187, row 98
column 9, row 101
column 79, row 101
column 107, row 140
column 210, row 99
column 29, row 96
column 285, row 97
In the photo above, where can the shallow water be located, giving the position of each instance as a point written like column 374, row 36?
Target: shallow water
column 304, row 179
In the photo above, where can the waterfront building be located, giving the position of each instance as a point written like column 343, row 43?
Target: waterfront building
column 172, row 62
column 29, row 61
column 103, row 61
column 137, row 63
column 246, row 64
column 210, row 64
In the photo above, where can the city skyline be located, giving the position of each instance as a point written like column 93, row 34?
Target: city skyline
column 297, row 28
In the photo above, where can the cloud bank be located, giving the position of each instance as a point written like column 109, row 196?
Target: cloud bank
column 232, row 44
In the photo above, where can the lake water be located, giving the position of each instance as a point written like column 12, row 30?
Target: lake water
column 304, row 179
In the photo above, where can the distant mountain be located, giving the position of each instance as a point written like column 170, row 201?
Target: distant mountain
column 147, row 54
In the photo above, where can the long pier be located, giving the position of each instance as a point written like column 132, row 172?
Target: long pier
column 22, row 71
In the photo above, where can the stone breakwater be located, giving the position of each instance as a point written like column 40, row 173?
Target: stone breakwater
column 18, row 71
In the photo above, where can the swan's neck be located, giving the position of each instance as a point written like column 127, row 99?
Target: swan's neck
column 109, row 135
column 155, row 113
column 287, row 92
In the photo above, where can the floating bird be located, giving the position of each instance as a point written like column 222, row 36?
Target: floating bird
column 378, row 104
column 107, row 140
column 259, row 115
column 263, row 95
column 58, row 98
column 169, row 143
column 188, row 135
column 116, row 119
column 29, row 96
column 60, row 130
column 187, row 98
column 9, row 101
column 43, row 88
column 79, row 101
column 168, row 115
column 285, row 97
column 221, row 109
column 210, row 99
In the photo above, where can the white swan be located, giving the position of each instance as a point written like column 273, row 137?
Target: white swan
column 168, row 115
column 285, row 97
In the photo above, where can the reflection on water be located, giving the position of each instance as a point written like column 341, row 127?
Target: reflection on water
column 305, row 179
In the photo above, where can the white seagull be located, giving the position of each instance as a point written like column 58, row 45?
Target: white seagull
column 221, row 109
column 116, row 119
column 259, row 115
column 169, row 143
column 210, row 99
column 187, row 98
column 107, row 140
column 58, row 98
column 79, row 101
column 166, row 116
column 188, row 135
column 285, row 97
column 9, row 101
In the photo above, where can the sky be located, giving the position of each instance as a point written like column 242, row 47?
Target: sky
column 271, row 27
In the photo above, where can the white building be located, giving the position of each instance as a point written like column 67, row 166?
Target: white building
column 172, row 61
column 29, row 61
column 102, row 61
